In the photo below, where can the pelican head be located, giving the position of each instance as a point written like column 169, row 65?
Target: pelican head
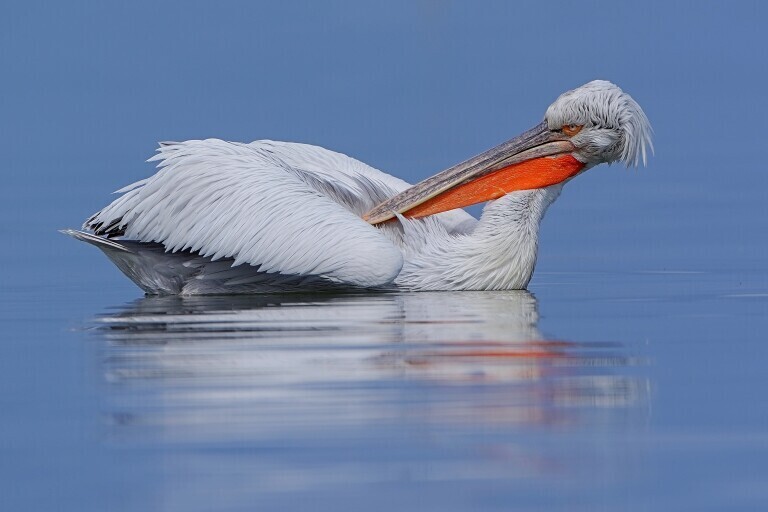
column 593, row 124
column 603, row 123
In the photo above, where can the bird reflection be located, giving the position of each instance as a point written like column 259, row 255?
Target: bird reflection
column 246, row 367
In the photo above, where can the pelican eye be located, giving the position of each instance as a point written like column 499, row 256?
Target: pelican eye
column 571, row 129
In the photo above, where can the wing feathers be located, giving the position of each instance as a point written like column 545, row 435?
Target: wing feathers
column 243, row 201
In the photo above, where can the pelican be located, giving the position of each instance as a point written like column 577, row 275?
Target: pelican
column 225, row 217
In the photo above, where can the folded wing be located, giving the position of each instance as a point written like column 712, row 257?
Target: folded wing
column 285, row 208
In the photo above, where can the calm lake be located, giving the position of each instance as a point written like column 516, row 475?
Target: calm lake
column 603, row 391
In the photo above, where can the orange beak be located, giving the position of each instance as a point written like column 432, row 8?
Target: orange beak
column 538, row 158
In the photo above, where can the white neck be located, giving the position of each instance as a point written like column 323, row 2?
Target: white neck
column 500, row 254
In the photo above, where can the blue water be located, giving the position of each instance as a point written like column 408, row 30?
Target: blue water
column 631, row 377
column 631, row 391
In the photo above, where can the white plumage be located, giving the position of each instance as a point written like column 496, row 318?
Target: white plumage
column 223, row 217
column 264, row 216
column 245, row 202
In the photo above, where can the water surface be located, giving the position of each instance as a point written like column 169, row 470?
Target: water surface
column 314, row 398
column 601, row 392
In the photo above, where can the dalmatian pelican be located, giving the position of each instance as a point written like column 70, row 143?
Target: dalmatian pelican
column 226, row 217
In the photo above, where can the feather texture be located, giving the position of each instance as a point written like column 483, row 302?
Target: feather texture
column 283, row 208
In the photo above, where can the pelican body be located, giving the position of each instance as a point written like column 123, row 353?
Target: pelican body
column 223, row 217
